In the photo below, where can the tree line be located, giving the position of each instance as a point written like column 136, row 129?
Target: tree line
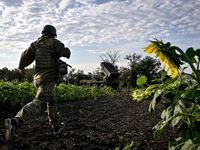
column 14, row 74
column 137, row 66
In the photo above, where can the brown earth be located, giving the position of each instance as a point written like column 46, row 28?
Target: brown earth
column 92, row 124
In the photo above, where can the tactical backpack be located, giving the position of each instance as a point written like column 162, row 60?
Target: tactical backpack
column 43, row 58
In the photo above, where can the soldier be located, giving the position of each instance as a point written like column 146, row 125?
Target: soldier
column 45, row 51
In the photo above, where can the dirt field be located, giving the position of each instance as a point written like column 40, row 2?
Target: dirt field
column 92, row 124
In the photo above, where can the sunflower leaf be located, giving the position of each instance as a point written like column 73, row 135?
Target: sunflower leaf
column 163, row 75
column 142, row 80
column 155, row 101
column 167, row 82
column 191, row 53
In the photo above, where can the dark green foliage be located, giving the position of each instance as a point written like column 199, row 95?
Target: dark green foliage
column 138, row 67
column 14, row 74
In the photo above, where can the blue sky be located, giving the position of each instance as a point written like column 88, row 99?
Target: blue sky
column 92, row 27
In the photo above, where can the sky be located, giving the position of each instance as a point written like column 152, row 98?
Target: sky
column 90, row 28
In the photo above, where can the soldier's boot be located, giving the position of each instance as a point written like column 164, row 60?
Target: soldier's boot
column 59, row 128
column 10, row 125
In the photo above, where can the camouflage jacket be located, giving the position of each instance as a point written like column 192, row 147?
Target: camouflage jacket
column 28, row 56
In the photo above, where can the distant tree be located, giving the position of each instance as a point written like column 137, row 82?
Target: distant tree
column 133, row 59
column 9, row 75
column 112, row 56
column 98, row 74
column 89, row 75
column 16, row 75
column 3, row 72
column 130, row 74
column 125, row 79
column 148, row 66
column 29, row 74
column 70, row 77
column 74, row 77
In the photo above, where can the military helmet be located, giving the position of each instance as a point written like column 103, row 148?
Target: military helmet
column 49, row 28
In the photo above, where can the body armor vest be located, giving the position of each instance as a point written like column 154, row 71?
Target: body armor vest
column 44, row 54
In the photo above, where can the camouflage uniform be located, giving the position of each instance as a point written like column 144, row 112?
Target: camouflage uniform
column 44, row 81
column 44, row 96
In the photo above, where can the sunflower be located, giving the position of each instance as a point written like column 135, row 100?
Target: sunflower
column 158, row 48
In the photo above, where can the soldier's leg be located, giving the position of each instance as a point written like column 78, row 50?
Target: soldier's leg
column 53, row 117
column 47, row 96
column 32, row 108
column 52, row 111
column 28, row 111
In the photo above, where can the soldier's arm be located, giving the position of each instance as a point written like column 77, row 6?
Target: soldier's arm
column 27, row 57
column 61, row 50
column 23, row 71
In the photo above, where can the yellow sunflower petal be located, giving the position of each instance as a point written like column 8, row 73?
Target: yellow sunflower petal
column 162, row 57
column 151, row 50
column 165, row 62
column 167, row 69
column 149, row 46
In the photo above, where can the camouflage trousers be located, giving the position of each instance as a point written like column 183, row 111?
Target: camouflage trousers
column 44, row 96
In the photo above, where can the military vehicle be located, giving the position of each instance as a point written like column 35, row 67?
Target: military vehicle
column 110, row 78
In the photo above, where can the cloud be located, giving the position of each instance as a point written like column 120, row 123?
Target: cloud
column 85, row 1
column 117, row 24
column 64, row 3
column 11, row 3
column 106, row 23
column 4, row 55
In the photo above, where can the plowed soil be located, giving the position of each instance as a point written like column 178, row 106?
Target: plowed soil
column 92, row 124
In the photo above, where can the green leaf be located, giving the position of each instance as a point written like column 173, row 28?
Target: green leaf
column 181, row 104
column 191, row 53
column 183, row 129
column 197, row 137
column 189, row 145
column 157, row 80
column 188, row 134
column 170, row 146
column 171, row 114
column 167, row 82
column 184, row 103
column 163, row 75
column 190, row 92
column 168, row 112
column 196, row 93
column 197, row 52
column 179, row 140
column 157, row 130
column 142, row 80
column 156, row 99
column 170, row 96
column 175, row 120
column 152, row 87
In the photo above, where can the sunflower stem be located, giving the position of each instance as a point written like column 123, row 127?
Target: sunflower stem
column 189, row 62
